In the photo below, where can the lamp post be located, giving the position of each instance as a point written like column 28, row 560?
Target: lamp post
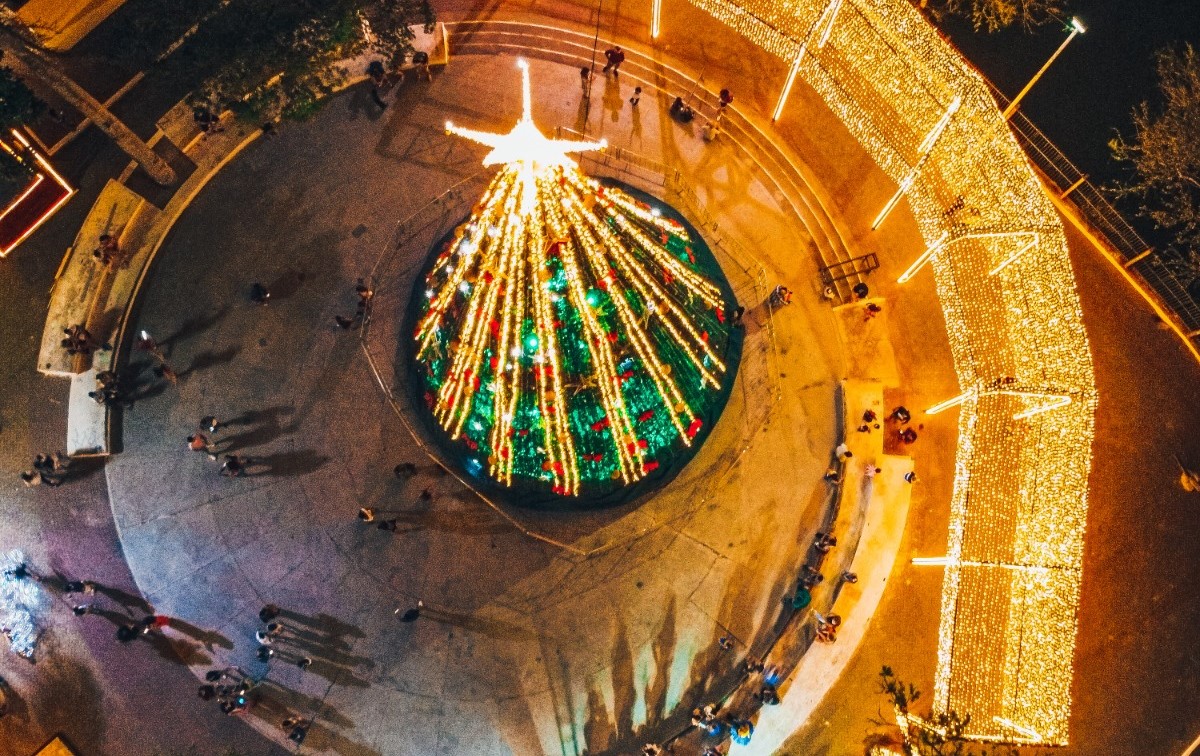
column 1076, row 26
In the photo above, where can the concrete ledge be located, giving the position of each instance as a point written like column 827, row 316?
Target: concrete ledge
column 887, row 510
column 61, row 25
column 80, row 280
column 102, row 298
column 87, row 420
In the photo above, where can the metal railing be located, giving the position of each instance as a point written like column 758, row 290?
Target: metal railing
column 1165, row 271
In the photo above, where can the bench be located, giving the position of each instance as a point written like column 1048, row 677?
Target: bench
column 81, row 282
column 883, row 508
column 87, row 420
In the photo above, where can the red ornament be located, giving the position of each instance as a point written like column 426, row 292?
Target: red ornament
column 650, row 466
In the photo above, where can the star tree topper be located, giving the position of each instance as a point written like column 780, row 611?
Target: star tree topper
column 525, row 147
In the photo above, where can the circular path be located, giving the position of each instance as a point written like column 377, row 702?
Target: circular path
column 524, row 647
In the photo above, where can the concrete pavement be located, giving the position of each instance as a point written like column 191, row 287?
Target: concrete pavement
column 1122, row 704
column 542, row 650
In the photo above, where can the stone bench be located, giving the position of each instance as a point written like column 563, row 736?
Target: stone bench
column 98, row 297
column 87, row 420
column 81, row 282
column 881, row 506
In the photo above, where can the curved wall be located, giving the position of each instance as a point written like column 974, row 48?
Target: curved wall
column 1005, row 284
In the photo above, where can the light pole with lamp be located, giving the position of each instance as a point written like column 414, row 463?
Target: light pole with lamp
column 1076, row 26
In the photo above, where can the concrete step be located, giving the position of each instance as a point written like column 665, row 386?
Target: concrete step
column 568, row 47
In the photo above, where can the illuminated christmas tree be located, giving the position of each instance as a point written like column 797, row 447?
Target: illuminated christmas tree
column 568, row 335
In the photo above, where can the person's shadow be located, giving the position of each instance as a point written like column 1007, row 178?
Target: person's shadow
column 296, row 462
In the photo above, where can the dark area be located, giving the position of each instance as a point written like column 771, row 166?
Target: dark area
column 1091, row 90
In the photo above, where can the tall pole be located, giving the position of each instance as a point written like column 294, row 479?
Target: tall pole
column 1077, row 28
column 587, row 95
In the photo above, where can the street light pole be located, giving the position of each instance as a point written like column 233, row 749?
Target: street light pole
column 587, row 94
column 1077, row 28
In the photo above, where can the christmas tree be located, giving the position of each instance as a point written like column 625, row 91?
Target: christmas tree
column 568, row 334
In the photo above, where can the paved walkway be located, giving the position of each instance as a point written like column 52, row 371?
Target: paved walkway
column 522, row 647
column 83, row 687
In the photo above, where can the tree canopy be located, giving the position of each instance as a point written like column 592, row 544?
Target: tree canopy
column 1164, row 152
column 267, row 59
column 943, row 734
column 993, row 15
column 18, row 106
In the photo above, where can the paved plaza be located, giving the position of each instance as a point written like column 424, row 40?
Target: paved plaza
column 536, row 647
column 541, row 633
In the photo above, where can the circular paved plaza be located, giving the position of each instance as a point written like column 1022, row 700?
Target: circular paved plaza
column 550, row 632
column 540, row 631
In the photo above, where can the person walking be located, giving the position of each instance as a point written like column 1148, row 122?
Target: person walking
column 210, row 424
column 637, row 97
column 233, row 466
column 269, row 612
column 585, row 80
column 153, row 622
column 85, row 587
column 615, row 57
column 199, row 442
column 843, row 452
column 259, row 294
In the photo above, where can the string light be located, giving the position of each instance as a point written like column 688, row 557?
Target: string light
column 568, row 333
column 1006, row 636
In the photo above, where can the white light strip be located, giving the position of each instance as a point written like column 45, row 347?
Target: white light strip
column 1012, row 258
column 831, row 11
column 1060, row 401
column 924, row 258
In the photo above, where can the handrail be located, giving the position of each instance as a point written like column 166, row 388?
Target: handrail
column 1159, row 269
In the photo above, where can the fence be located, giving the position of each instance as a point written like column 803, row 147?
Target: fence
column 1166, row 272
column 1026, row 413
